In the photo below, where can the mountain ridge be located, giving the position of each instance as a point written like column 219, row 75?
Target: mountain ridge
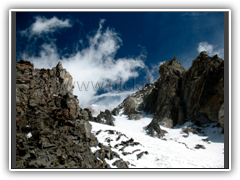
column 54, row 132
column 179, row 95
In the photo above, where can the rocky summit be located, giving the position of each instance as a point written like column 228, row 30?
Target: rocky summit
column 52, row 131
column 180, row 95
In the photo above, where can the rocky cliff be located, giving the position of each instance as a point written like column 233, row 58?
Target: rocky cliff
column 165, row 100
column 52, row 131
column 203, row 88
column 180, row 95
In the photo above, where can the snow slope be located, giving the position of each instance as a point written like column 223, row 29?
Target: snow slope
column 173, row 151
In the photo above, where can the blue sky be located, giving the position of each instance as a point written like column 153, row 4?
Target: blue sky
column 109, row 46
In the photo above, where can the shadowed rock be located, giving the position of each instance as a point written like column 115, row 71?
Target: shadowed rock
column 203, row 88
column 154, row 130
column 115, row 111
column 199, row 146
column 165, row 101
column 121, row 164
column 141, row 154
column 178, row 95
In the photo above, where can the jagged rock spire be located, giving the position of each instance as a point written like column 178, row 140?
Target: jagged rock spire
column 59, row 66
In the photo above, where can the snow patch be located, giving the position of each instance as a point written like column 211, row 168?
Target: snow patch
column 29, row 135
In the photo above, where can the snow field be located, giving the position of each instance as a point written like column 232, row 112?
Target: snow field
column 176, row 151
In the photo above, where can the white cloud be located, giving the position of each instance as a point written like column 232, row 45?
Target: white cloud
column 43, row 25
column 93, row 64
column 113, row 94
column 111, row 99
column 204, row 46
column 210, row 49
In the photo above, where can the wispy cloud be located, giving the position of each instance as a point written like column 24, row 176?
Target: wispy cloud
column 95, row 63
column 143, row 52
column 43, row 25
column 210, row 49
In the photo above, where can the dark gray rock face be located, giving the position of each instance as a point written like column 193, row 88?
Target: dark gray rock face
column 203, row 88
column 105, row 118
column 179, row 95
column 165, row 100
column 196, row 94
column 52, row 130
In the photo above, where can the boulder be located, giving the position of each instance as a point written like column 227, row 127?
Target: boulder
column 115, row 111
column 105, row 118
column 199, row 146
column 188, row 130
column 141, row 154
column 120, row 164
column 125, row 144
column 154, row 130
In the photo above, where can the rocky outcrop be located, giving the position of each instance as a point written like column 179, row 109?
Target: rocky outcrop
column 134, row 104
column 165, row 100
column 119, row 142
column 141, row 154
column 179, row 95
column 105, row 118
column 196, row 94
column 52, row 131
column 203, row 88
column 105, row 153
column 121, row 164
column 154, row 130
column 115, row 111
